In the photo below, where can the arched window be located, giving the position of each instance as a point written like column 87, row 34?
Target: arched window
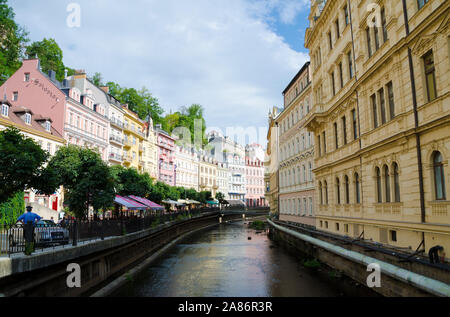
column 357, row 189
column 347, row 190
column 387, row 184
column 338, row 191
column 320, row 193
column 396, row 183
column 378, row 181
column 439, row 178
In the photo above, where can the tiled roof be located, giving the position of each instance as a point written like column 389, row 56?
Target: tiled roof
column 14, row 117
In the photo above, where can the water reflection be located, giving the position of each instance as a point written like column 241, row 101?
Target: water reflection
column 223, row 262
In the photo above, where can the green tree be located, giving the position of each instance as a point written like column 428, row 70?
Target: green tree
column 85, row 177
column 12, row 209
column 97, row 79
column 13, row 39
column 21, row 165
column 50, row 56
column 220, row 197
column 129, row 182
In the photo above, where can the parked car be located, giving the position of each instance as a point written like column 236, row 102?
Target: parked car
column 46, row 233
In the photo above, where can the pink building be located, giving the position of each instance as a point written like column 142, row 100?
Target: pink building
column 166, row 157
column 255, row 196
column 74, row 113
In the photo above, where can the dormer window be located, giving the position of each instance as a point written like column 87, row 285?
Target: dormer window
column 28, row 118
column 48, row 126
column 5, row 110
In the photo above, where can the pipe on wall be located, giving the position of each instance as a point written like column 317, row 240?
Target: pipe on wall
column 422, row 282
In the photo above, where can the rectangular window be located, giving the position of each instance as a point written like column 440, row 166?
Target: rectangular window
column 430, row 77
column 27, row 77
column 333, row 84
column 337, row 227
column 390, row 89
column 384, row 25
column 346, row 15
column 350, row 64
column 336, row 139
column 27, row 118
column 330, row 41
column 5, row 110
column 369, row 42
column 338, row 33
column 382, row 105
column 377, row 38
column 421, row 3
column 346, row 228
column 320, row 145
column 393, row 236
column 373, row 99
column 324, row 142
column 344, row 129
column 355, row 127
column 15, row 96
column 341, row 76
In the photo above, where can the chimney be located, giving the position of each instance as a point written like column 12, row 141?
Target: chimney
column 52, row 75
column 65, row 73
column 105, row 89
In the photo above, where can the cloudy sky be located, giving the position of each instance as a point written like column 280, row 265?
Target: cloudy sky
column 234, row 57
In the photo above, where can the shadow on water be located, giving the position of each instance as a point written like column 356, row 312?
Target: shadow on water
column 231, row 260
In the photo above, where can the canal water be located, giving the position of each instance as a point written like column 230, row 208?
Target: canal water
column 224, row 262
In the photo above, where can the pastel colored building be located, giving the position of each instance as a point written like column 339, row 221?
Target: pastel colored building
column 207, row 174
column 134, row 138
column 166, row 157
column 150, row 153
column 254, row 170
column 381, row 118
column 40, row 129
column 187, row 165
column 296, row 146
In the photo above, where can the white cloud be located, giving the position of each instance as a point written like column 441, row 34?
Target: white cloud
column 221, row 54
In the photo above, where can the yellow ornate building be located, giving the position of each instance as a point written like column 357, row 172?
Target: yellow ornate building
column 133, row 145
column 271, row 176
column 381, row 116
column 296, row 153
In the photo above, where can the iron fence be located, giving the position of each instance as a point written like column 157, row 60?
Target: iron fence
column 73, row 232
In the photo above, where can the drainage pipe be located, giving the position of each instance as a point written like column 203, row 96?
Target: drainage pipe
column 422, row 282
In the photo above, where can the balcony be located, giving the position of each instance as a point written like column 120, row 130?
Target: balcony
column 116, row 140
column 127, row 159
column 115, row 157
column 116, row 123
column 127, row 143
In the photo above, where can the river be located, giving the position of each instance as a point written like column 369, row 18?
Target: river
column 224, row 262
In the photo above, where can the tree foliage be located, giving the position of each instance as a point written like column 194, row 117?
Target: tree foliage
column 50, row 56
column 85, row 177
column 21, row 165
column 13, row 39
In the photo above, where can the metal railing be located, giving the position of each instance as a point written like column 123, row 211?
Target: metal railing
column 72, row 232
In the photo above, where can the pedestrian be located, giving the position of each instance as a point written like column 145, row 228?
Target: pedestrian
column 434, row 254
column 29, row 219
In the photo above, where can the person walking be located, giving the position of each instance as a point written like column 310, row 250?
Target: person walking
column 29, row 219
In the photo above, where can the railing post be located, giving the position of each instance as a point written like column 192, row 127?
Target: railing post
column 75, row 233
column 102, row 231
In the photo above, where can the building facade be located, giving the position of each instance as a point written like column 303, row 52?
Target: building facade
column 150, row 150
column 134, row 138
column 271, row 164
column 380, row 88
column 166, row 157
column 254, row 170
column 38, row 128
column 187, row 165
column 296, row 144
column 207, row 174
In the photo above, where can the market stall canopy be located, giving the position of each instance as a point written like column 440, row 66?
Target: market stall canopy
column 212, row 202
column 188, row 202
column 194, row 202
column 130, row 204
column 172, row 202
column 239, row 203
column 150, row 204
